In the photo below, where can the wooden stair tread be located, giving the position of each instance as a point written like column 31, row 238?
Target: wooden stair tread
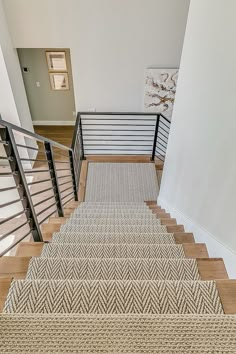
column 195, row 250
column 14, row 266
column 29, row 249
column 212, row 268
column 227, row 292
column 184, row 237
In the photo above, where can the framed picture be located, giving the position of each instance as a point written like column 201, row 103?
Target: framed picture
column 59, row 81
column 160, row 88
column 56, row 61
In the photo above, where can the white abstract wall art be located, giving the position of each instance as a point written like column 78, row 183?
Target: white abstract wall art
column 160, row 89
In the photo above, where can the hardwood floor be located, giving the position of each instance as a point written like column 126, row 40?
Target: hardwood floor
column 60, row 134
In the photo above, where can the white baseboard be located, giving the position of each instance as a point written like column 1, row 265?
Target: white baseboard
column 214, row 246
column 54, row 122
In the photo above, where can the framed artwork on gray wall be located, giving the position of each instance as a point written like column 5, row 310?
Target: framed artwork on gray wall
column 56, row 61
column 59, row 81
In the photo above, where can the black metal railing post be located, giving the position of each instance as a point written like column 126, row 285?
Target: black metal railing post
column 20, row 181
column 53, row 175
column 81, row 138
column 75, row 185
column 155, row 137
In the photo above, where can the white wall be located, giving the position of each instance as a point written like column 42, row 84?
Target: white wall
column 112, row 42
column 199, row 180
column 13, row 102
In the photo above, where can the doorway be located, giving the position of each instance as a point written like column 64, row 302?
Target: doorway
column 48, row 81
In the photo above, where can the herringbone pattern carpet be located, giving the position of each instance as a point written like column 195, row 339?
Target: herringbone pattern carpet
column 113, row 280
column 113, row 228
column 113, row 296
column 115, row 238
column 113, row 269
column 112, row 251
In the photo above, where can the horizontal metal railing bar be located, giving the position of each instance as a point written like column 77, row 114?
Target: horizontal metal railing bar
column 118, row 125
column 10, row 203
column 161, row 115
column 36, row 171
column 7, row 173
column 143, row 135
column 160, row 157
column 29, row 147
column 33, row 135
column 107, row 145
column 62, row 161
column 116, row 149
column 11, row 217
column 162, row 135
column 63, row 176
column 14, row 244
column 67, row 201
column 37, row 160
column 7, row 189
column 44, row 200
column 48, row 216
column 44, row 190
column 67, row 195
column 158, row 143
column 123, row 154
column 118, row 114
column 165, row 124
column 66, row 189
column 14, row 230
column 160, row 153
column 163, row 129
column 48, row 207
column 160, row 149
column 143, row 141
column 139, row 118
column 41, row 181
column 118, row 130
column 64, row 183
column 159, row 138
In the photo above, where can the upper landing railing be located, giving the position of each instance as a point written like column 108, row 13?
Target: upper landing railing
column 39, row 176
column 122, row 133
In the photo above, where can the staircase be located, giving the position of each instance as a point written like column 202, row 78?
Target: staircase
column 114, row 280
column 114, row 273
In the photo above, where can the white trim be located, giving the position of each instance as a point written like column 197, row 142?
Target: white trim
column 53, row 122
column 215, row 247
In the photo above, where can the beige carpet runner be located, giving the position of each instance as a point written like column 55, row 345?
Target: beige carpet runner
column 113, row 296
column 116, row 334
column 113, row 280
column 113, row 269
column 99, row 250
column 116, row 238
column 121, row 182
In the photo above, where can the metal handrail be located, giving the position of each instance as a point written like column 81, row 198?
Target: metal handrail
column 150, row 130
column 23, row 187
column 98, row 126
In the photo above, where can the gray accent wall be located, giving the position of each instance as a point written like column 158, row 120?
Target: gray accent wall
column 46, row 104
